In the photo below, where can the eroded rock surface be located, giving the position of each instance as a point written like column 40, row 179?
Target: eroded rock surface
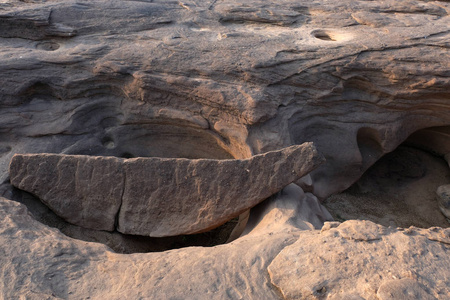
column 221, row 79
column 58, row 267
column 443, row 199
column 106, row 77
column 154, row 196
column 363, row 260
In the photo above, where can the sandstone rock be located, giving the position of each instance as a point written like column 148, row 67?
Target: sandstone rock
column 405, row 288
column 85, row 79
column 154, row 196
column 412, row 261
column 218, row 79
column 332, row 265
column 83, row 190
column 58, row 267
column 291, row 208
column 443, row 198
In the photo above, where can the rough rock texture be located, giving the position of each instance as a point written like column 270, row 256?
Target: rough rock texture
column 141, row 78
column 84, row 190
column 155, row 196
column 363, row 260
column 221, row 79
column 358, row 258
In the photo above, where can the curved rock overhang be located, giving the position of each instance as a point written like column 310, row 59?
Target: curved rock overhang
column 257, row 81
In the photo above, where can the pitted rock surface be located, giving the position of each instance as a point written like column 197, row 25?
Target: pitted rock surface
column 155, row 196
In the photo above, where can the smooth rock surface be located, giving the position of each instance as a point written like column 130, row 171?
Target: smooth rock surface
column 399, row 190
column 157, row 197
column 302, row 262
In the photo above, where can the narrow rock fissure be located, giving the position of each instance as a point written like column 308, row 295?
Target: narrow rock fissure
column 124, row 184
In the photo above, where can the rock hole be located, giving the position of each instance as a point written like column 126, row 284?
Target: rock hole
column 127, row 155
column 369, row 144
column 47, row 46
column 323, row 35
column 108, row 142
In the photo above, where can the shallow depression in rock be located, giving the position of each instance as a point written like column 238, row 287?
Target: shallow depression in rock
column 155, row 140
column 399, row 190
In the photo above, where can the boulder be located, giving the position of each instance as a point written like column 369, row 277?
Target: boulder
column 157, row 196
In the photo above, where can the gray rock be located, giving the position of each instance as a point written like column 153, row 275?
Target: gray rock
column 443, row 198
column 154, row 196
column 83, row 190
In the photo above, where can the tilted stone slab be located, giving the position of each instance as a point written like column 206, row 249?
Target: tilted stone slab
column 83, row 190
column 157, row 196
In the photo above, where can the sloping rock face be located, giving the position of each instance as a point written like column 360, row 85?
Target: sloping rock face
column 157, row 197
column 220, row 80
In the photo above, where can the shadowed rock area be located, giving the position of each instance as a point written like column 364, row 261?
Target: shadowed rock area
column 157, row 197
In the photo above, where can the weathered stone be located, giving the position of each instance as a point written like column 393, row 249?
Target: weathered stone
column 217, row 79
column 360, row 76
column 83, row 190
column 60, row 267
column 395, row 264
column 443, row 198
column 155, row 196
column 405, row 288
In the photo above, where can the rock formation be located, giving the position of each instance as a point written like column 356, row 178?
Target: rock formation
column 220, row 80
column 443, row 198
column 154, row 196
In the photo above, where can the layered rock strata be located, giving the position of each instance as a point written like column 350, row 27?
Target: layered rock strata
column 156, row 196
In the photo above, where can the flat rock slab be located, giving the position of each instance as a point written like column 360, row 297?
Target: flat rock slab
column 156, row 196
